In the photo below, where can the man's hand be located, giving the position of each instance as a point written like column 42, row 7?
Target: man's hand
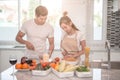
column 29, row 46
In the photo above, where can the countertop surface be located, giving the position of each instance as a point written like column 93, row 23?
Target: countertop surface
column 98, row 74
column 12, row 47
column 28, row 76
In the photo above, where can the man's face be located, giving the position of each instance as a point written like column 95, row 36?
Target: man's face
column 41, row 19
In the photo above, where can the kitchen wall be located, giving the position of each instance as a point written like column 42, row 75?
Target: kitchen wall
column 77, row 11
column 80, row 12
column 5, row 54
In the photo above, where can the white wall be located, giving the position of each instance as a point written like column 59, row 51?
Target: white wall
column 81, row 13
column 76, row 11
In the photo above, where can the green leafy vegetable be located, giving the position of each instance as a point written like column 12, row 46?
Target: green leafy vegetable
column 82, row 69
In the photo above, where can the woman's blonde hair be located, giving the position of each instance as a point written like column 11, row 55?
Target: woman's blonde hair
column 66, row 20
column 41, row 10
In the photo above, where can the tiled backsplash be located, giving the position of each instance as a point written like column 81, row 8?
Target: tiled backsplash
column 113, row 25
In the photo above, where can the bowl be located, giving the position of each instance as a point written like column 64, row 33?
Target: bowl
column 63, row 74
column 41, row 72
column 84, row 74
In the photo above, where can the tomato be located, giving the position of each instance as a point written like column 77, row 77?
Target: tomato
column 57, row 59
column 44, row 64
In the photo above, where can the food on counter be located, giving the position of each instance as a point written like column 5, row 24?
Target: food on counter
column 86, row 63
column 70, row 68
column 22, row 66
column 62, row 65
column 18, row 66
column 46, row 57
column 52, row 64
column 57, row 59
column 23, row 60
column 29, row 61
column 82, row 69
column 43, row 66
column 57, row 66
column 87, row 52
column 26, row 64
column 70, row 59
column 40, row 70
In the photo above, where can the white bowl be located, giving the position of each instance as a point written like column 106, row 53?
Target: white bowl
column 63, row 74
column 41, row 72
column 84, row 74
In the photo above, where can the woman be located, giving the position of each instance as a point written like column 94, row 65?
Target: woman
column 73, row 40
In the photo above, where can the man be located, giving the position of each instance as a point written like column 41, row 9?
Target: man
column 37, row 31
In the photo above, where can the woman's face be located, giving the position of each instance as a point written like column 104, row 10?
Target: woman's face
column 66, row 27
column 41, row 19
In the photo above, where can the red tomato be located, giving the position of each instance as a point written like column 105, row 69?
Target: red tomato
column 57, row 59
column 44, row 64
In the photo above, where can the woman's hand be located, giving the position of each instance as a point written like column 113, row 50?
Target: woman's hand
column 68, row 56
column 76, row 54
column 29, row 45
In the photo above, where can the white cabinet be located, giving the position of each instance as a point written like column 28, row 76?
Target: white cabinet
column 4, row 57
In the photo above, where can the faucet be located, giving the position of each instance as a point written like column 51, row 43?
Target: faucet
column 107, row 46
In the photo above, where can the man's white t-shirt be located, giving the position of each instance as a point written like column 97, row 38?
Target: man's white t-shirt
column 37, row 35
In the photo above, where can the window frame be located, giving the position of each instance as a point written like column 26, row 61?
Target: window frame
column 96, row 44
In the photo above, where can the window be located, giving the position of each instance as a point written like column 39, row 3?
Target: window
column 27, row 9
column 8, row 19
column 98, row 12
column 14, row 12
column 54, row 8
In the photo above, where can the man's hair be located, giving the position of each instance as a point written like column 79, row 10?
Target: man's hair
column 41, row 10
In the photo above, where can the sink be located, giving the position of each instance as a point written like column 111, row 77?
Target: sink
column 19, row 47
column 114, row 64
column 104, row 65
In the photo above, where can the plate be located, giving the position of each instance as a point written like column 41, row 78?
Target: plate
column 23, row 70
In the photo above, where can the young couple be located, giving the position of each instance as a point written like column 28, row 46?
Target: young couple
column 37, row 31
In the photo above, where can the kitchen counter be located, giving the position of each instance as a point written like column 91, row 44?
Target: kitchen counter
column 12, row 47
column 28, row 76
column 98, row 74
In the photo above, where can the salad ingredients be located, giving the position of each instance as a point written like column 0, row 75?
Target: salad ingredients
column 82, row 69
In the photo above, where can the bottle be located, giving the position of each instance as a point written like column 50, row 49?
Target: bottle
column 87, row 52
column 45, row 57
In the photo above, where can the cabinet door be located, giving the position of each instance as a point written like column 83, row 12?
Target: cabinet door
column 5, row 57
